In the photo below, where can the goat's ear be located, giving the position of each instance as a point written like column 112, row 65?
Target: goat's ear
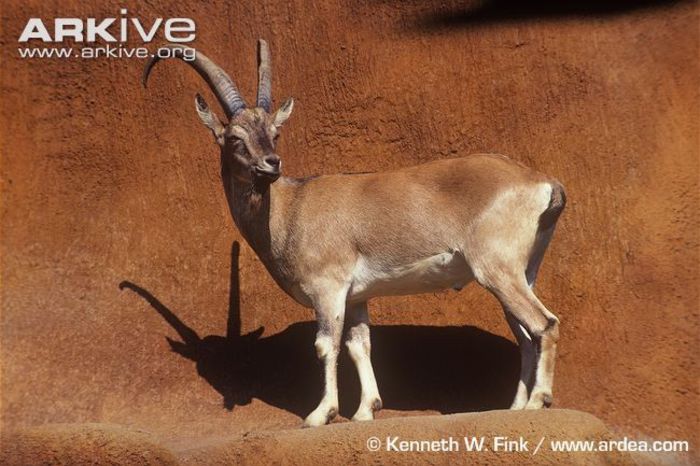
column 284, row 112
column 210, row 120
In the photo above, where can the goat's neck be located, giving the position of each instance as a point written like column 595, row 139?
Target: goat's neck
column 251, row 208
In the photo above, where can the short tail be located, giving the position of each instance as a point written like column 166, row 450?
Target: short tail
column 557, row 202
column 548, row 219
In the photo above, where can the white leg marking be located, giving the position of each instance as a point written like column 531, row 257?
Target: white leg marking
column 359, row 347
column 330, row 314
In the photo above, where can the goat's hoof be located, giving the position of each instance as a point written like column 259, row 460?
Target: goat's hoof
column 363, row 415
column 547, row 400
column 539, row 400
column 366, row 412
column 320, row 416
column 519, row 402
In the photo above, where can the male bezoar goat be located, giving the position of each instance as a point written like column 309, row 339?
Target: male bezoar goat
column 334, row 241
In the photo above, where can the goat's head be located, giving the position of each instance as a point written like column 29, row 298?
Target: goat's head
column 249, row 137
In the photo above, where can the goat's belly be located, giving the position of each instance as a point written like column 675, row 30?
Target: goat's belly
column 433, row 273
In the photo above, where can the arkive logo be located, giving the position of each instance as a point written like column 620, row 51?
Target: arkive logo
column 110, row 30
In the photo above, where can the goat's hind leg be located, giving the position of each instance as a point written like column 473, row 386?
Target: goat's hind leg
column 528, row 350
column 546, row 349
column 519, row 301
column 527, row 362
column 358, row 343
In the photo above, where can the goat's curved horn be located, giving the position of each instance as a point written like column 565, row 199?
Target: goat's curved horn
column 220, row 83
column 264, row 77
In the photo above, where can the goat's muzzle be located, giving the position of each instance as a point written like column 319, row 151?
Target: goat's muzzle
column 269, row 168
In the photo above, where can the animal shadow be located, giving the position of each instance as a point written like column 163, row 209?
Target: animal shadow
column 447, row 369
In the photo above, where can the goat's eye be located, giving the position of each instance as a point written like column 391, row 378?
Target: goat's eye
column 235, row 142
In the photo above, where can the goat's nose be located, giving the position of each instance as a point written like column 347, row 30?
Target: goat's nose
column 272, row 160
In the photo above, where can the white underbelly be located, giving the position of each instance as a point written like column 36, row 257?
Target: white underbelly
column 433, row 273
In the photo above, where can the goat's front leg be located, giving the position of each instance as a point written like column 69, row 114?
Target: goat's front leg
column 330, row 314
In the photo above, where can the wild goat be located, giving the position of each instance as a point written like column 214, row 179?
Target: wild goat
column 333, row 242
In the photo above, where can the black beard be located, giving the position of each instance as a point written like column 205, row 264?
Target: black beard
column 261, row 184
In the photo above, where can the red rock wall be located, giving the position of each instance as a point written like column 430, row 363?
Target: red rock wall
column 103, row 181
